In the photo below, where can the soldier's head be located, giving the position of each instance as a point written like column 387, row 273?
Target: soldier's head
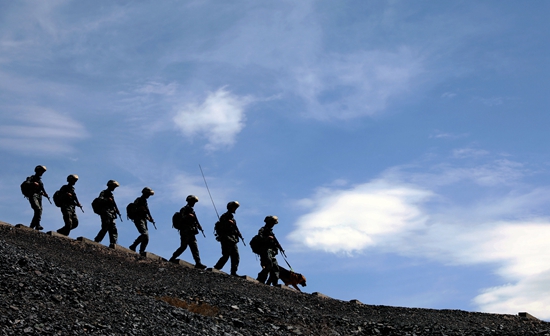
column 232, row 206
column 39, row 170
column 112, row 184
column 147, row 192
column 192, row 199
column 72, row 178
column 271, row 220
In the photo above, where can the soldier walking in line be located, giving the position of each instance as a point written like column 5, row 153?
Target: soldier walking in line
column 33, row 189
column 108, row 211
column 68, row 203
column 268, row 250
column 228, row 235
column 188, row 228
column 142, row 215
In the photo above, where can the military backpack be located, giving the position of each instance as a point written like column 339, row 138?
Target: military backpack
column 177, row 221
column 27, row 187
column 98, row 205
column 217, row 230
column 131, row 211
column 57, row 199
column 257, row 244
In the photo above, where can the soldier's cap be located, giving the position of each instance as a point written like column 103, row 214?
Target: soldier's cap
column 113, row 183
column 39, row 168
column 192, row 198
column 72, row 177
column 233, row 204
column 147, row 191
column 273, row 219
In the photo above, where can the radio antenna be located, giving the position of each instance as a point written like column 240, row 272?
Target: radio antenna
column 206, row 184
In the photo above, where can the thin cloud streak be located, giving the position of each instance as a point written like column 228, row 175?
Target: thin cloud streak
column 46, row 131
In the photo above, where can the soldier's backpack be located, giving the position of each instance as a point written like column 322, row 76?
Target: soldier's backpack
column 131, row 211
column 217, row 230
column 27, row 187
column 257, row 244
column 57, row 199
column 177, row 221
column 98, row 205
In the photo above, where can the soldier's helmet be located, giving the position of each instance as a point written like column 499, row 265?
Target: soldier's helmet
column 147, row 191
column 72, row 177
column 113, row 183
column 233, row 204
column 40, row 168
column 192, row 198
column 271, row 219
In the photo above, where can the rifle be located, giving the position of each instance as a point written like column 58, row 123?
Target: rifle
column 77, row 203
column 116, row 209
column 279, row 246
column 43, row 191
column 239, row 233
column 47, row 197
column 199, row 226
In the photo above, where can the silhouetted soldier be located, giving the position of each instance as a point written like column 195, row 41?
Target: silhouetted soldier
column 228, row 235
column 268, row 251
column 108, row 213
column 68, row 203
column 141, row 217
column 190, row 227
column 35, row 196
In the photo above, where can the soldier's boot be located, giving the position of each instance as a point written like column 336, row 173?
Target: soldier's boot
column 200, row 265
column 133, row 247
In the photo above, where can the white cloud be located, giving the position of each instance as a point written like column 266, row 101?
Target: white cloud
column 219, row 118
column 40, row 130
column 415, row 219
column 355, row 219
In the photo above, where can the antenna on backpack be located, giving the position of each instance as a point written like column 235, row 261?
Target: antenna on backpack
column 206, row 184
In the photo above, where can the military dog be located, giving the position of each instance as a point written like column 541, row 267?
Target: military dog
column 291, row 278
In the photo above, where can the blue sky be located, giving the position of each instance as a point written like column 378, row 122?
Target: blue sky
column 403, row 145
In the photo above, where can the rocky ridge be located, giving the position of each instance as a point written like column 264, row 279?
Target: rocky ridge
column 59, row 286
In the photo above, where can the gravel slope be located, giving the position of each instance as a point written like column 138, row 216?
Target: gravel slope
column 59, row 286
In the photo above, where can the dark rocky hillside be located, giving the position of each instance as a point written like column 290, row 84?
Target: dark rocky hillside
column 58, row 286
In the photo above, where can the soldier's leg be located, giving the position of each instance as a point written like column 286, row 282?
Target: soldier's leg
column 234, row 259
column 104, row 229
column 181, row 249
column 113, row 232
column 225, row 255
column 143, row 238
column 36, row 205
column 67, row 220
column 195, row 251
column 74, row 220
column 266, row 267
column 274, row 272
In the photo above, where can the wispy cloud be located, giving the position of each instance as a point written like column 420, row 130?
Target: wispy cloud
column 219, row 118
column 40, row 130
